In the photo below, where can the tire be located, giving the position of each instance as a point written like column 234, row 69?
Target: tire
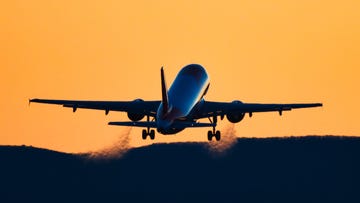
column 152, row 134
column 144, row 134
column 210, row 135
column 218, row 135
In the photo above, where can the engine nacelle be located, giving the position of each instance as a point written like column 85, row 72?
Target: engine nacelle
column 235, row 117
column 136, row 116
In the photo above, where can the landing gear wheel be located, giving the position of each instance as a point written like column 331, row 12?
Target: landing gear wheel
column 217, row 135
column 214, row 133
column 210, row 135
column 144, row 134
column 147, row 131
column 152, row 134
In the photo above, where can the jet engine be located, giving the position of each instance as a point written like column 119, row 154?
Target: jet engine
column 136, row 116
column 235, row 117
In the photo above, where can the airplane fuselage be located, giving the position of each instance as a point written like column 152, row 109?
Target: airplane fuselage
column 188, row 88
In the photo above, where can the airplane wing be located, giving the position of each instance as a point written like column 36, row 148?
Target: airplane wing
column 137, row 106
column 210, row 108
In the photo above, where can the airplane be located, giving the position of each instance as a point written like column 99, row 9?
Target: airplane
column 181, row 107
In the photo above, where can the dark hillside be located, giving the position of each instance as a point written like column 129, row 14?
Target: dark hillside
column 303, row 169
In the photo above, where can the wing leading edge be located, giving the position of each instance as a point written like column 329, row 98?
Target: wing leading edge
column 148, row 108
column 210, row 108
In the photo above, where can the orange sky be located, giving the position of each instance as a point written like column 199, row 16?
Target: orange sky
column 254, row 51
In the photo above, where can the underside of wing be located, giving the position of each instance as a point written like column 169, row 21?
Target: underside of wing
column 137, row 106
column 209, row 108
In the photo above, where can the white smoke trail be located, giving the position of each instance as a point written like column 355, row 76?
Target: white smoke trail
column 228, row 140
column 114, row 151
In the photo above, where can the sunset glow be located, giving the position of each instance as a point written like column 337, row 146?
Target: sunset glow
column 253, row 51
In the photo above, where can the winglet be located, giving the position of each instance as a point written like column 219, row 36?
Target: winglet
column 165, row 100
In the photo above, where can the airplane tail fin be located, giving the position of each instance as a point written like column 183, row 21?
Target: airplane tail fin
column 165, row 99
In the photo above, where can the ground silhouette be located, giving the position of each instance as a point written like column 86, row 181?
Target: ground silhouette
column 294, row 169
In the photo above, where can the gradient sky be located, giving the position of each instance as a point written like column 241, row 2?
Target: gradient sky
column 254, row 51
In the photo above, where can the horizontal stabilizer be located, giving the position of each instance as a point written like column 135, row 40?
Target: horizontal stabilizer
column 192, row 125
column 177, row 124
column 135, row 124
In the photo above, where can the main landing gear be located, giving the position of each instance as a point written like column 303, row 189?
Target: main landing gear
column 147, row 131
column 214, row 133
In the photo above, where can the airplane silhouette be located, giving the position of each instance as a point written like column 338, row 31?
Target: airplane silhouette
column 181, row 106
